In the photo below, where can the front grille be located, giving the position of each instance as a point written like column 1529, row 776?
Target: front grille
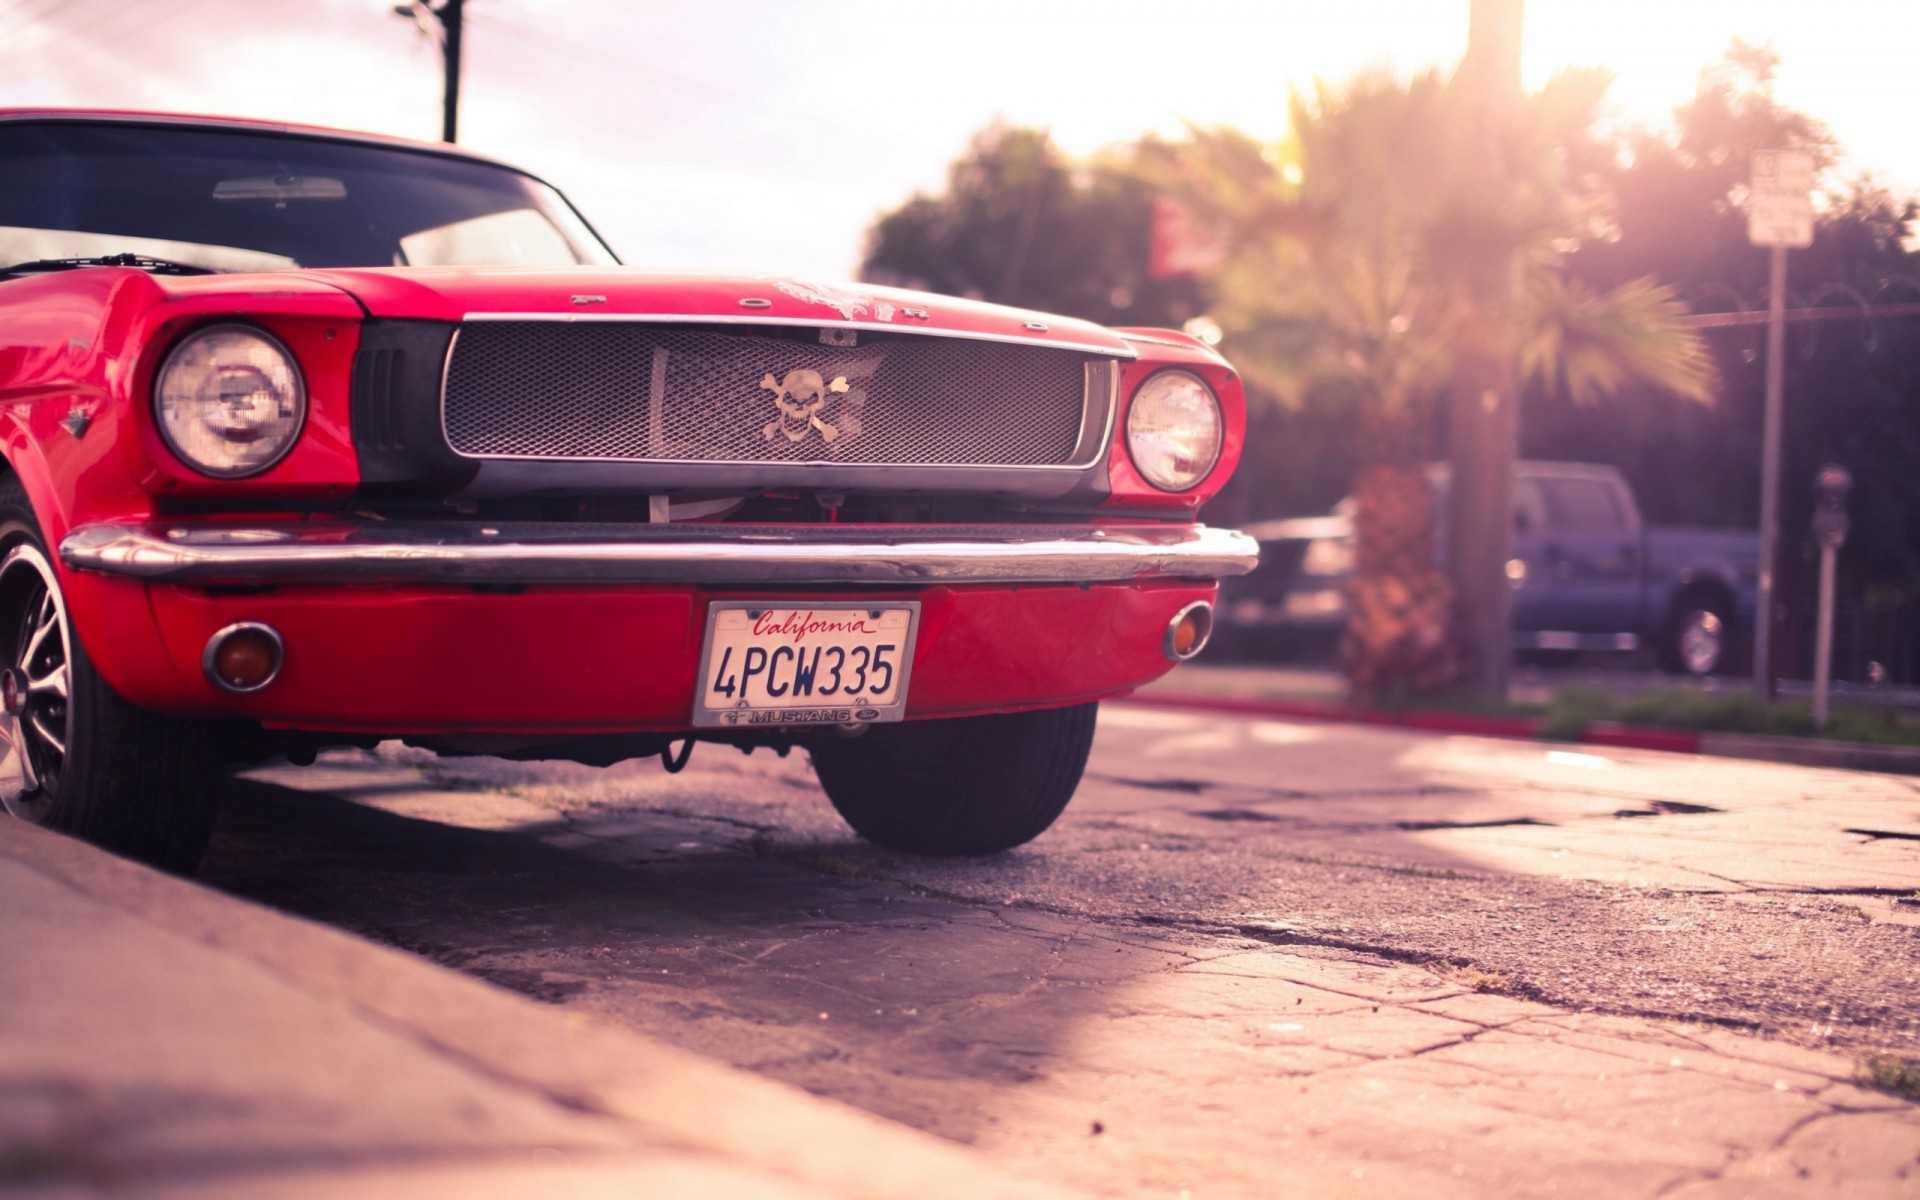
column 610, row 391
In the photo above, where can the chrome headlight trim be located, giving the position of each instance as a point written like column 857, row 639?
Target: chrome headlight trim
column 193, row 398
column 1176, row 430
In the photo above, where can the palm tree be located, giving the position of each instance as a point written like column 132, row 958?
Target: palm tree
column 1354, row 250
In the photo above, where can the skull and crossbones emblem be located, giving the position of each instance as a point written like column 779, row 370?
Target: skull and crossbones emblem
column 800, row 397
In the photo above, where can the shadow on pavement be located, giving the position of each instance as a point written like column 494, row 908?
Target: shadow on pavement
column 793, row 960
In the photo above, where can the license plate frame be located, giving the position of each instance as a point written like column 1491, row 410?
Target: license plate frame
column 882, row 627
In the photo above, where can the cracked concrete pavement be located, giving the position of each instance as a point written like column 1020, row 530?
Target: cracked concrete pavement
column 159, row 1039
column 1256, row 958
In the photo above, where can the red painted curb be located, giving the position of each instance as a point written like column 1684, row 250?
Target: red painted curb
column 1805, row 752
column 1523, row 728
column 1606, row 733
column 1526, row 729
column 1306, row 710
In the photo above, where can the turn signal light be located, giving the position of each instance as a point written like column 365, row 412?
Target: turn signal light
column 244, row 657
column 1187, row 633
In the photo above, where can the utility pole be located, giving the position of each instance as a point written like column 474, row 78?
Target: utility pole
column 445, row 29
column 1484, row 416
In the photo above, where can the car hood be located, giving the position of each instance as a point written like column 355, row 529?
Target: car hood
column 457, row 293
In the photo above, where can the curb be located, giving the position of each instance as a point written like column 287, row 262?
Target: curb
column 275, row 1037
column 1805, row 752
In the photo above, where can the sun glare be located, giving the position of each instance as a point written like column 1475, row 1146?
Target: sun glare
column 1832, row 66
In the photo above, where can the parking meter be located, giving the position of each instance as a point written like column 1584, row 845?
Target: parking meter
column 1830, row 488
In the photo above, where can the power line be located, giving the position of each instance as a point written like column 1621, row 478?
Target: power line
column 71, row 41
column 113, row 13
column 25, row 11
column 1760, row 316
column 29, row 15
column 573, row 49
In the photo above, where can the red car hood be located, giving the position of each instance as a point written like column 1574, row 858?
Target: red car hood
column 453, row 293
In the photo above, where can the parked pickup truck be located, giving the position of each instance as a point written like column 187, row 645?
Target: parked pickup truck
column 1588, row 574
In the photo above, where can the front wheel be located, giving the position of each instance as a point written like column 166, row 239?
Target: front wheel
column 74, row 755
column 968, row 785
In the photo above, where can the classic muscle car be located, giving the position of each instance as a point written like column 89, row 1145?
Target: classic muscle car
column 316, row 438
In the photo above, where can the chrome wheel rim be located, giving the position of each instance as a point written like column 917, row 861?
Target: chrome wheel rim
column 1702, row 639
column 35, row 717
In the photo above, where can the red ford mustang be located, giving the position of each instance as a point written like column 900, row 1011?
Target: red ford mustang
column 316, row 438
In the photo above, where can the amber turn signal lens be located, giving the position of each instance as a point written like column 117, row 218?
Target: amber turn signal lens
column 1185, row 638
column 244, row 658
column 1187, row 633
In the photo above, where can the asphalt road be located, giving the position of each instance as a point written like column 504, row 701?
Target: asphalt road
column 1071, row 1007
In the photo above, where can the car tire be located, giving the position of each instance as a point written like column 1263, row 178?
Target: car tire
column 1697, row 636
column 74, row 755
column 969, row 785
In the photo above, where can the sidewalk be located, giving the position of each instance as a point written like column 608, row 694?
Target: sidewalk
column 1319, row 694
column 161, row 1039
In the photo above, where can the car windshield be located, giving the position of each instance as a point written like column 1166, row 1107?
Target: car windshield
column 231, row 200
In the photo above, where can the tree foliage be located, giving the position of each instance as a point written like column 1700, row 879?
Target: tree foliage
column 1852, row 389
column 1352, row 244
column 1355, row 243
column 1359, row 254
column 1022, row 224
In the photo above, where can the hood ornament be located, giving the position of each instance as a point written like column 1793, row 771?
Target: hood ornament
column 800, row 397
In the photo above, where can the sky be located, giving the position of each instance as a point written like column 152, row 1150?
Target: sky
column 764, row 136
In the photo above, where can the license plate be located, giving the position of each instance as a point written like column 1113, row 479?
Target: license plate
column 814, row 664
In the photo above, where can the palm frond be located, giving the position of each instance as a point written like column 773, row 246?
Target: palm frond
column 1589, row 345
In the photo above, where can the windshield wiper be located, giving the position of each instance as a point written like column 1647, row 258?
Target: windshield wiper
column 155, row 266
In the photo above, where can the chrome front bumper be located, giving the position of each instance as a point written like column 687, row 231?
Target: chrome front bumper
column 745, row 556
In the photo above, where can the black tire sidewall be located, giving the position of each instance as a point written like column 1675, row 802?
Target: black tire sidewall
column 971, row 785
column 18, row 526
column 134, row 782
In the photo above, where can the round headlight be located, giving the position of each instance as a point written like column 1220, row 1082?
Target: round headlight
column 230, row 401
column 1174, row 430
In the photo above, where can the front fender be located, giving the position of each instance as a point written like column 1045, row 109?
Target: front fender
column 112, row 618
column 70, row 345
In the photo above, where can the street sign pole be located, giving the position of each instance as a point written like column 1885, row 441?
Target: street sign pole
column 1779, row 216
column 1770, row 476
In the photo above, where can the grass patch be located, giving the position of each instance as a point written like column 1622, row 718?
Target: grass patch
column 845, row 868
column 1470, row 977
column 1314, row 860
column 33, row 1163
column 1574, row 708
column 1890, row 1073
column 1425, row 872
column 1462, row 703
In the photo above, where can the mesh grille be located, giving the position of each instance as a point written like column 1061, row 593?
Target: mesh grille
column 637, row 392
